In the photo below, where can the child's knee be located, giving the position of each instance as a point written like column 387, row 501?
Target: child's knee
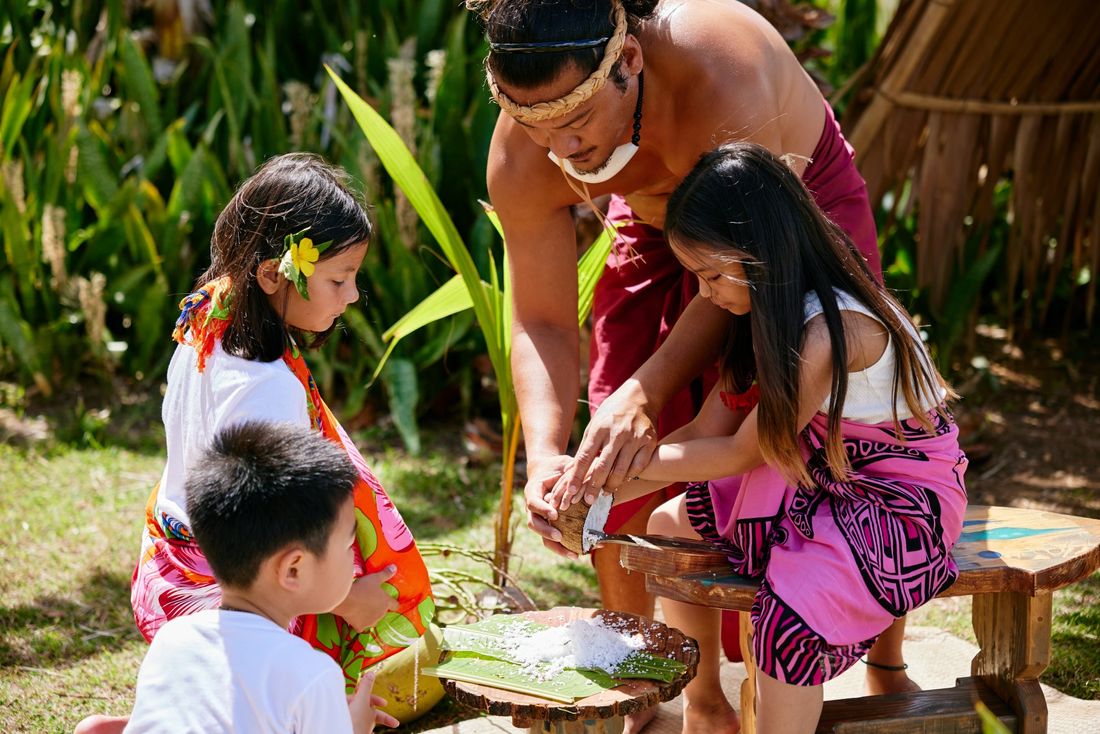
column 668, row 519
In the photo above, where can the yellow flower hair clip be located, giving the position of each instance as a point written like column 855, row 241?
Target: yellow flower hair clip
column 298, row 260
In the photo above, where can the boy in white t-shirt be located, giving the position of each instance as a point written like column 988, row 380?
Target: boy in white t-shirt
column 271, row 508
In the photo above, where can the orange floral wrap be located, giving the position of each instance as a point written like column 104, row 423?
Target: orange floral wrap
column 172, row 577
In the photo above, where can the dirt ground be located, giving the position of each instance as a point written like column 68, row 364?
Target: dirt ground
column 1030, row 421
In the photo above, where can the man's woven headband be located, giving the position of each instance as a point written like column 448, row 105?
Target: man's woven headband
column 563, row 105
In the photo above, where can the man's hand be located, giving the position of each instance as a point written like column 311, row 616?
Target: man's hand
column 562, row 494
column 366, row 602
column 363, row 705
column 541, row 478
column 618, row 443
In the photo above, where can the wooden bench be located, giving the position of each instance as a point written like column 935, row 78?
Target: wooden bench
column 1010, row 560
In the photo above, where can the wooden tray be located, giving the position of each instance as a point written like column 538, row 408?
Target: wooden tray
column 628, row 698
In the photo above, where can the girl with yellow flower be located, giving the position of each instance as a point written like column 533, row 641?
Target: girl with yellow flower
column 284, row 257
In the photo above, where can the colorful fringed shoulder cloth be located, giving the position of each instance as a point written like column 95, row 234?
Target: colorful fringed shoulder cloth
column 172, row 577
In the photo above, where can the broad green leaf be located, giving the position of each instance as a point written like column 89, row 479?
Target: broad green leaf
column 445, row 339
column 589, row 269
column 149, row 323
column 366, row 333
column 138, row 232
column 402, row 167
column 138, row 78
column 17, row 246
column 451, row 298
column 566, row 687
column 95, row 174
column 400, row 380
column 16, row 108
column 488, row 637
column 16, row 335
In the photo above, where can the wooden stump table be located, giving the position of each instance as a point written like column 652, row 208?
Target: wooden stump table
column 1010, row 560
column 598, row 714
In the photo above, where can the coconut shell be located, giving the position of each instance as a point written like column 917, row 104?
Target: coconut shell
column 570, row 523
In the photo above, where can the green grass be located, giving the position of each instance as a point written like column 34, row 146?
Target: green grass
column 70, row 524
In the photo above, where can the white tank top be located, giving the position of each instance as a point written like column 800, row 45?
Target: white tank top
column 868, row 399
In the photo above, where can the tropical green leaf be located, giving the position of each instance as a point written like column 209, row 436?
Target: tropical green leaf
column 965, row 292
column 137, row 231
column 16, row 239
column 96, row 175
column 487, row 638
column 138, row 78
column 400, row 380
column 451, row 298
column 589, row 269
column 566, row 687
column 16, row 335
column 363, row 331
column 402, row 167
column 16, row 109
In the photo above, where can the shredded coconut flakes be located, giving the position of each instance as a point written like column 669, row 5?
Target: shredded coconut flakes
column 583, row 643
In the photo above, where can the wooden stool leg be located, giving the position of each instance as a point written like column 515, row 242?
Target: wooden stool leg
column 748, row 687
column 614, row 725
column 1013, row 632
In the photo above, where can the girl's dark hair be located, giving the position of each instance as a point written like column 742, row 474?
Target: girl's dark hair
column 288, row 194
column 534, row 21
column 741, row 203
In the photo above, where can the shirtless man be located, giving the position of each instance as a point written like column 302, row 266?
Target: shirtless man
column 626, row 95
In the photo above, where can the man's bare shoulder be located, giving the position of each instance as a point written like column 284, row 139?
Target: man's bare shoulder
column 715, row 29
column 733, row 72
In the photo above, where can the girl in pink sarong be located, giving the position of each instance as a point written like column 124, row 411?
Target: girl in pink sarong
column 834, row 468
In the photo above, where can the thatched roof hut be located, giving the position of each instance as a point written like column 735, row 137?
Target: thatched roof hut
column 961, row 94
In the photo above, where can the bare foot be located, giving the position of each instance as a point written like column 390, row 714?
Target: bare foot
column 880, row 681
column 634, row 723
column 718, row 720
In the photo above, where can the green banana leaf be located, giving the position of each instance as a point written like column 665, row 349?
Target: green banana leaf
column 565, row 687
column 485, row 638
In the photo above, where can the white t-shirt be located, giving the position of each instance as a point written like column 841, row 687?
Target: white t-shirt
column 199, row 404
column 224, row 671
column 869, row 398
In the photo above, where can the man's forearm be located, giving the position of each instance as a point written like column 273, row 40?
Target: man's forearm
column 545, row 371
column 692, row 346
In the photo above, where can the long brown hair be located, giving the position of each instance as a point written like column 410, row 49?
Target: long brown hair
column 742, row 204
column 288, row 194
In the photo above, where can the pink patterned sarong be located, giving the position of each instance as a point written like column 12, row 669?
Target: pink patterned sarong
column 840, row 561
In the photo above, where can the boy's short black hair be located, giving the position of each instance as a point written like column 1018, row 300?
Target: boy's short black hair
column 261, row 486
